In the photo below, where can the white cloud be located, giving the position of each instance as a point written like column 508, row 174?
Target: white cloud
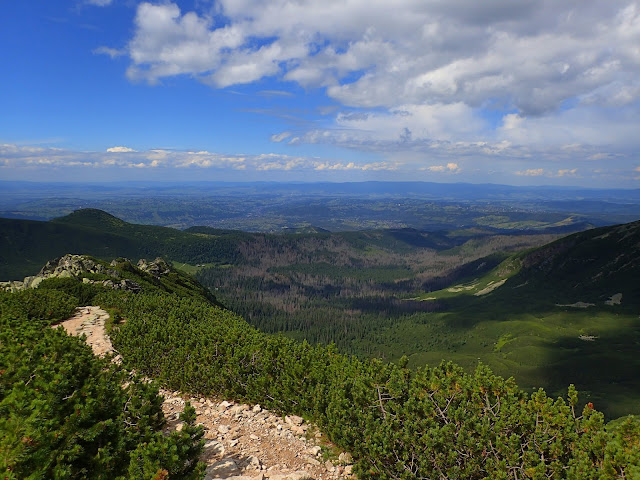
column 448, row 168
column 16, row 157
column 532, row 172
column 111, row 52
column 563, row 172
column 21, row 161
column 280, row 137
column 99, row 3
column 533, row 55
column 421, row 76
column 585, row 125
column 120, row 150
column 376, row 166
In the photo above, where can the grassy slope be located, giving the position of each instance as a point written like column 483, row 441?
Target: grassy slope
column 533, row 326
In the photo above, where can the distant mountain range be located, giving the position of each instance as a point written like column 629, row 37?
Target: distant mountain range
column 272, row 207
column 431, row 190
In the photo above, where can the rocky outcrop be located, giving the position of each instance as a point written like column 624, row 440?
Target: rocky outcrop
column 72, row 266
column 124, row 284
column 156, row 268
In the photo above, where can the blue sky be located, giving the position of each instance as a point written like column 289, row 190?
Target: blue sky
column 526, row 93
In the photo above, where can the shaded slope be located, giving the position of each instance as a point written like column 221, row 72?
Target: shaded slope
column 589, row 266
column 26, row 244
column 563, row 313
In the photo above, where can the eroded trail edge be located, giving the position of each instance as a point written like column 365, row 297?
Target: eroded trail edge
column 242, row 442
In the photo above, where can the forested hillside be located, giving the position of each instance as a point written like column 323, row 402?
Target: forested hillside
column 25, row 245
column 433, row 422
column 348, row 287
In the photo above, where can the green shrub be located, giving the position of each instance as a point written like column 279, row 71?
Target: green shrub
column 65, row 414
column 432, row 423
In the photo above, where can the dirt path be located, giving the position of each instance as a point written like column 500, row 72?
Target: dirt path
column 243, row 442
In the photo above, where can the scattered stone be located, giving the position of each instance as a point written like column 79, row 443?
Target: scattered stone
column 298, row 430
column 223, row 468
column 214, row 447
column 315, row 450
column 239, row 408
column 614, row 300
column 294, row 420
column 312, row 461
column 253, row 461
column 345, row 458
column 300, row 475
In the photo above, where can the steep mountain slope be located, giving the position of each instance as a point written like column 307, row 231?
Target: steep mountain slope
column 589, row 266
column 563, row 313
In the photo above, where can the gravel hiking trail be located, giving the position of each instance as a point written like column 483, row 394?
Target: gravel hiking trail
column 242, row 442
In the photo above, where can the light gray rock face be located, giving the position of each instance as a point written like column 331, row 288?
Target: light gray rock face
column 156, row 268
column 12, row 286
column 70, row 266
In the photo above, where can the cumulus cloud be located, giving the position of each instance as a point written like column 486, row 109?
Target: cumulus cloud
column 16, row 157
column 538, row 172
column 280, row 137
column 532, row 55
column 448, row 168
column 375, row 166
column 567, row 172
column 99, row 3
column 493, row 78
column 120, row 150
column 17, row 161
column 111, row 52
